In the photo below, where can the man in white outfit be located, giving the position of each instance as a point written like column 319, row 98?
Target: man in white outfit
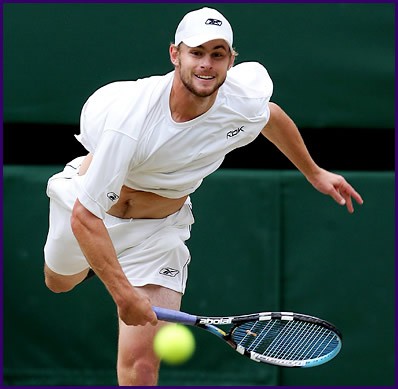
column 124, row 210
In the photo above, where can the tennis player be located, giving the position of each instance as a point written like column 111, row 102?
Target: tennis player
column 123, row 211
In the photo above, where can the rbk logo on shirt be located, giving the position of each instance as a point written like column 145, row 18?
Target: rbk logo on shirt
column 232, row 133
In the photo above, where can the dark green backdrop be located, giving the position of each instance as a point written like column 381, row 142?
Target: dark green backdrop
column 332, row 64
column 261, row 241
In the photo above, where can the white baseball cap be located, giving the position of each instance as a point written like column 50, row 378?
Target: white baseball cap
column 203, row 25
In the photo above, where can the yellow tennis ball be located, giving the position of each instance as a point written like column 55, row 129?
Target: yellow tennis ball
column 174, row 344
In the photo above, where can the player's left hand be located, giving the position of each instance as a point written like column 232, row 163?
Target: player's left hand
column 337, row 187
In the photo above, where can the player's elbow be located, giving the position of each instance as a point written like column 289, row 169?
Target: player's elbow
column 78, row 218
column 83, row 222
column 276, row 112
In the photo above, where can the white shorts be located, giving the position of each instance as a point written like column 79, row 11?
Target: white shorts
column 150, row 251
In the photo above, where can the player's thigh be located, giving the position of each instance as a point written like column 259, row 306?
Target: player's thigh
column 136, row 341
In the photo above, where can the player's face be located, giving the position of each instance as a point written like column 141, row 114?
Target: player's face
column 203, row 69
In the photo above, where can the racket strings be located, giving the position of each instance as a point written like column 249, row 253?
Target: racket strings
column 287, row 340
column 299, row 341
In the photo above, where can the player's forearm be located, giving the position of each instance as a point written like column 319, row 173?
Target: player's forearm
column 284, row 134
column 98, row 249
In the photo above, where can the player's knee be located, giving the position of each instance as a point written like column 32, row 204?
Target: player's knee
column 143, row 372
column 57, row 285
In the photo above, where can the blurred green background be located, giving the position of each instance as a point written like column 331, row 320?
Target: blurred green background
column 332, row 64
column 333, row 68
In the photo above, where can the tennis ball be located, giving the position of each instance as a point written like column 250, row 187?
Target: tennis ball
column 174, row 344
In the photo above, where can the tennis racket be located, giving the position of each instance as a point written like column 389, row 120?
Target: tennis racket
column 279, row 338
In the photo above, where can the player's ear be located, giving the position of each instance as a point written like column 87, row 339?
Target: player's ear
column 173, row 50
column 231, row 60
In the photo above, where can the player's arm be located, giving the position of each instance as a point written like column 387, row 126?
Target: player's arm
column 103, row 172
column 282, row 131
column 97, row 247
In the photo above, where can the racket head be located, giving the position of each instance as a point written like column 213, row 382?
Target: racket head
column 286, row 339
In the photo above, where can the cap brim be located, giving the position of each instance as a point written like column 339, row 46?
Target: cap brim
column 200, row 39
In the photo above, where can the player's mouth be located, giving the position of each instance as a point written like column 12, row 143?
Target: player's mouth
column 203, row 77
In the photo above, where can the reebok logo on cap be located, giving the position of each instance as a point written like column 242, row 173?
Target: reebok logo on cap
column 214, row 22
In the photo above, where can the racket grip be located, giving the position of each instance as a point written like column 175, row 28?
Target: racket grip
column 173, row 316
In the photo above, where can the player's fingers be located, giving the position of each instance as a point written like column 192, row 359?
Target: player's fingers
column 349, row 205
column 154, row 320
column 336, row 196
column 151, row 315
column 357, row 197
column 348, row 191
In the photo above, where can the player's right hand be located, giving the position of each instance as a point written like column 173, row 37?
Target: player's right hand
column 137, row 312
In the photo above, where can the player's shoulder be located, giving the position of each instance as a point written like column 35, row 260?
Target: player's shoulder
column 119, row 104
column 248, row 89
column 125, row 90
column 249, row 79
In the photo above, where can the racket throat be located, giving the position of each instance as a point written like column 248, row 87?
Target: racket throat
column 214, row 330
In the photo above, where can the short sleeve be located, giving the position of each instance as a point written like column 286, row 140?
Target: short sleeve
column 254, row 78
column 249, row 89
column 99, row 188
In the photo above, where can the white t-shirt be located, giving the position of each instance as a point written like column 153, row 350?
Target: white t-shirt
column 128, row 127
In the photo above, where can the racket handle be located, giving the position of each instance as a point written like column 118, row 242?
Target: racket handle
column 174, row 316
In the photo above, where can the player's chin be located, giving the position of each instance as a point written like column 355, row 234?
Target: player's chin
column 206, row 90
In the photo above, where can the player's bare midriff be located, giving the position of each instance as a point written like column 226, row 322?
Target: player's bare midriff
column 137, row 204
